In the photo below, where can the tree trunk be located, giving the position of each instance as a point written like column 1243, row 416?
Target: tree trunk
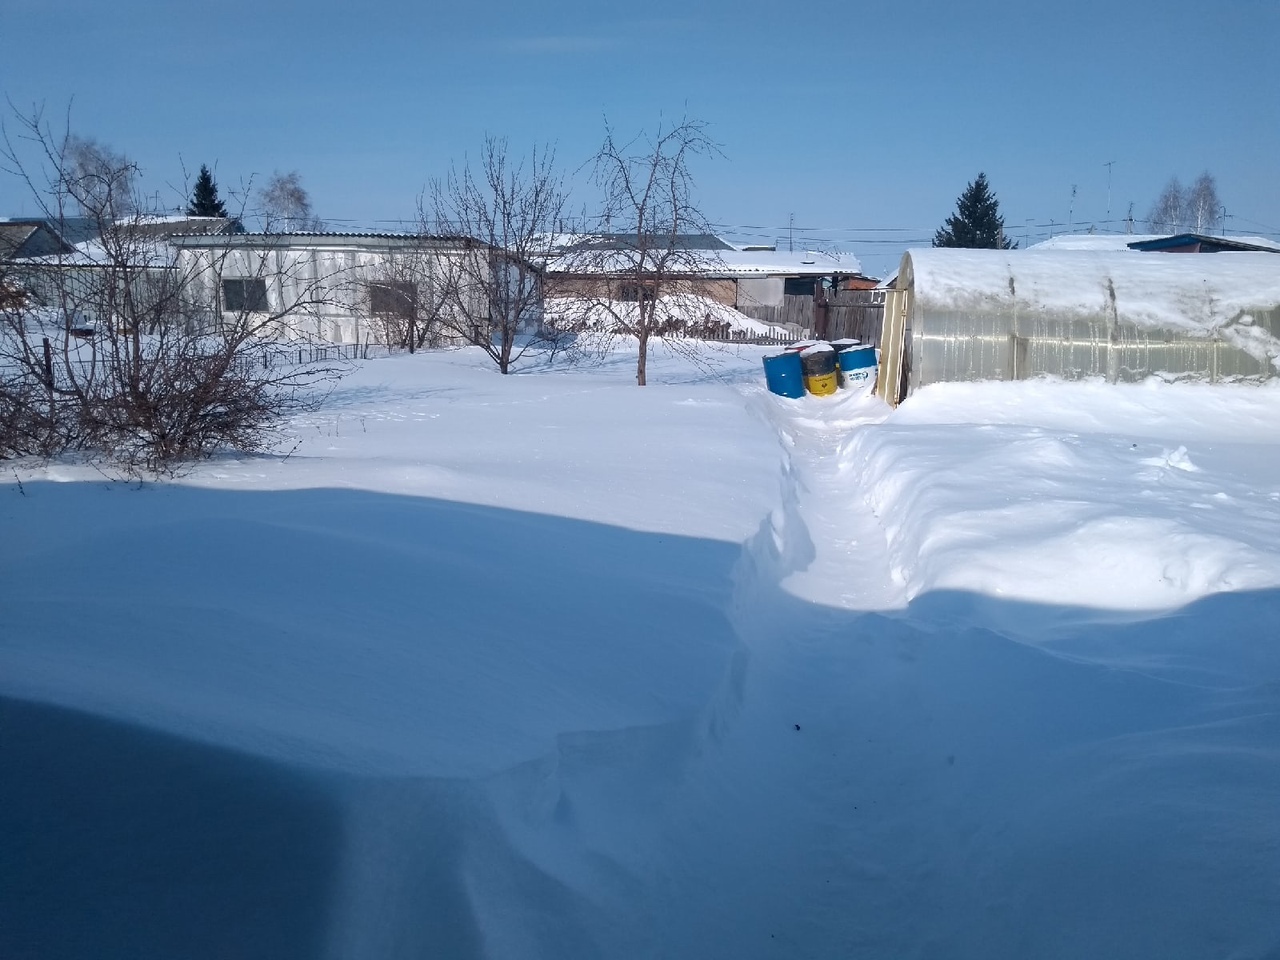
column 642, row 357
column 504, row 355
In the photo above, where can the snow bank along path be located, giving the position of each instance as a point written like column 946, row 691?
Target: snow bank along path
column 549, row 666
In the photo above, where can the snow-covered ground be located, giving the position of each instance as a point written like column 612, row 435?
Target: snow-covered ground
column 553, row 666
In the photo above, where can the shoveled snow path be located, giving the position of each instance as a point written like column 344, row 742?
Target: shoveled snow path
column 850, row 565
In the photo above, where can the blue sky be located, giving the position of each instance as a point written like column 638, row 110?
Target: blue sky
column 858, row 123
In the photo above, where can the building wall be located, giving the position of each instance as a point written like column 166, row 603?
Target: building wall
column 326, row 289
column 760, row 292
column 589, row 286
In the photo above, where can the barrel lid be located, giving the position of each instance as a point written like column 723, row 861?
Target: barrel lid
column 816, row 349
column 845, row 342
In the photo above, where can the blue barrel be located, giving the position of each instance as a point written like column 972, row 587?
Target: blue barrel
column 784, row 375
column 857, row 364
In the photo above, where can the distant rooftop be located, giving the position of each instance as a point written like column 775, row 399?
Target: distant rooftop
column 627, row 241
column 1203, row 243
column 1155, row 242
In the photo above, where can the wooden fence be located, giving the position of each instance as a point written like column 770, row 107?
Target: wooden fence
column 794, row 311
column 856, row 314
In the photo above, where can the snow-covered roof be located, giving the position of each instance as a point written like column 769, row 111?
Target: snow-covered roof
column 177, row 224
column 729, row 264
column 144, row 252
column 581, row 253
column 786, row 263
column 1093, row 241
column 1187, row 291
column 306, row 237
column 1125, row 241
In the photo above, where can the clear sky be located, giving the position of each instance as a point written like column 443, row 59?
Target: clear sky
column 857, row 123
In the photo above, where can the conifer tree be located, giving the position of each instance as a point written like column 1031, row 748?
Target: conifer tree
column 977, row 223
column 204, row 198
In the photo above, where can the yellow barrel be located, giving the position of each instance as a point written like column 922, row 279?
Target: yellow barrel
column 821, row 385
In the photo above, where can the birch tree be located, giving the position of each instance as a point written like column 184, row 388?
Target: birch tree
column 1203, row 209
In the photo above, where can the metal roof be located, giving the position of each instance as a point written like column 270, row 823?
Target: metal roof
column 1213, row 244
column 301, row 237
column 627, row 241
column 29, row 238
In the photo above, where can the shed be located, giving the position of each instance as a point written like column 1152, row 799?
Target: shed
column 338, row 287
column 1012, row 314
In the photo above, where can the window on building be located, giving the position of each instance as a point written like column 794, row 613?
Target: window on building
column 798, row 286
column 244, row 295
column 394, row 299
column 635, row 292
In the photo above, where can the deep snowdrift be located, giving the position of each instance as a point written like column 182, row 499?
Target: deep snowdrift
column 552, row 666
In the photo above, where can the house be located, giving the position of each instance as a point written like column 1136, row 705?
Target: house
column 774, row 287
column 958, row 314
column 20, row 239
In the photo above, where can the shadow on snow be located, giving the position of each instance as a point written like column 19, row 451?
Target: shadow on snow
column 330, row 723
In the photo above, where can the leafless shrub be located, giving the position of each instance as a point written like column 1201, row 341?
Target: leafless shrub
column 119, row 347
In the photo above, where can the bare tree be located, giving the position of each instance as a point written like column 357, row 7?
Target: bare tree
column 1203, row 209
column 119, row 347
column 1195, row 208
column 507, row 211
column 286, row 205
column 1169, row 213
column 648, row 213
column 98, row 179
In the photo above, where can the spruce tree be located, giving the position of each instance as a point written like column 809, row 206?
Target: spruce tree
column 977, row 223
column 204, row 198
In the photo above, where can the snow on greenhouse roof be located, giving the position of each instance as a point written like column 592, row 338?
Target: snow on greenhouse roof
column 1187, row 291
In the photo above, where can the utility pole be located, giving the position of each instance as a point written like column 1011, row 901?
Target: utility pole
column 1071, row 210
column 1128, row 221
column 791, row 225
column 1109, row 164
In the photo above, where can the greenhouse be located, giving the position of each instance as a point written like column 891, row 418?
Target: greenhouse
column 1118, row 314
